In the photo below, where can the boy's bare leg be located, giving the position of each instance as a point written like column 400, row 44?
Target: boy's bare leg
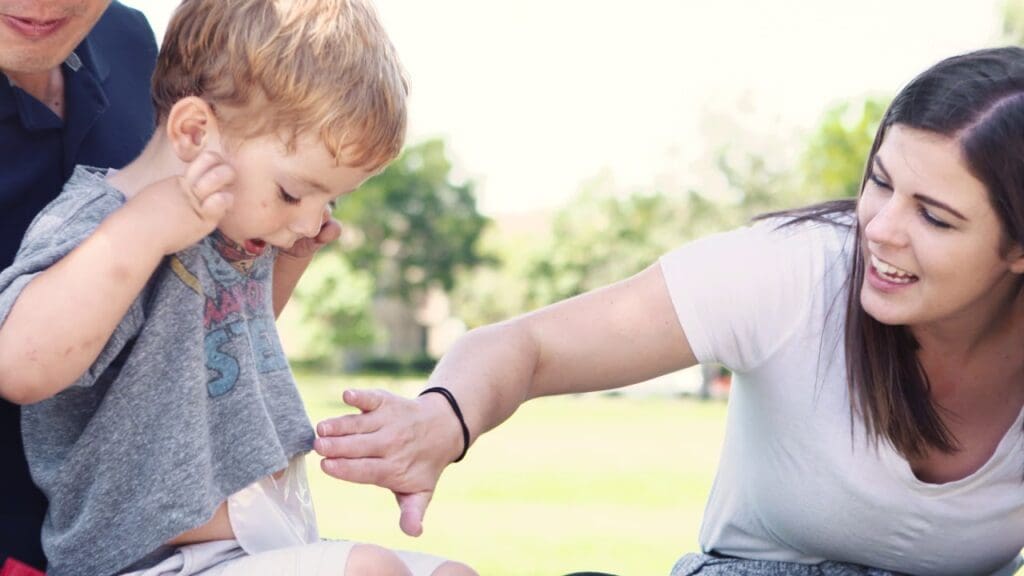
column 454, row 569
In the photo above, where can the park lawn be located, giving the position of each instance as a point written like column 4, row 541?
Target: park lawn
column 594, row 482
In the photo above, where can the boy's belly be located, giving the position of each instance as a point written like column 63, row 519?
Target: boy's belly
column 273, row 512
column 217, row 528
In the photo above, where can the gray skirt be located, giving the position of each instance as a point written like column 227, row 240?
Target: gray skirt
column 708, row 565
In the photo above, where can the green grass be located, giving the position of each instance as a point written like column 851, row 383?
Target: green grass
column 614, row 484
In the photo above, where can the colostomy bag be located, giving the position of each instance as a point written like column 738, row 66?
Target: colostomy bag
column 274, row 512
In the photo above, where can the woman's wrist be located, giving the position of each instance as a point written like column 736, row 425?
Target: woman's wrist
column 444, row 425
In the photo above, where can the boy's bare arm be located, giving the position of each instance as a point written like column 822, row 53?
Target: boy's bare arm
column 291, row 263
column 287, row 271
column 64, row 317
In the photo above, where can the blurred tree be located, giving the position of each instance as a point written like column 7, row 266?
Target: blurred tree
column 404, row 231
column 498, row 290
column 335, row 302
column 1013, row 21
column 601, row 238
column 833, row 160
column 411, row 227
column 756, row 187
column 830, row 166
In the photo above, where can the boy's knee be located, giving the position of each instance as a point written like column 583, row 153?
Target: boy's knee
column 450, row 568
column 372, row 560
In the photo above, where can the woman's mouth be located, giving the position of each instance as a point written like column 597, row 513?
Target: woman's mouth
column 885, row 277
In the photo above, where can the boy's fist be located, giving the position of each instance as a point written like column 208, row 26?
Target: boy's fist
column 184, row 209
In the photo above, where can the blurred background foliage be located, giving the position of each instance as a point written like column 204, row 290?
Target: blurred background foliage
column 1013, row 22
column 414, row 229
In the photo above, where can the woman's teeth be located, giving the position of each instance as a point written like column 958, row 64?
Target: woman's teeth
column 890, row 272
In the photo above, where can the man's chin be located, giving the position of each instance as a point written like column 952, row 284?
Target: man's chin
column 29, row 61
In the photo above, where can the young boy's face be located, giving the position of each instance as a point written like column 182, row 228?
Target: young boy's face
column 282, row 196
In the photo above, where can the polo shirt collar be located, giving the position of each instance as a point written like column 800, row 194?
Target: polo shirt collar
column 92, row 59
column 8, row 107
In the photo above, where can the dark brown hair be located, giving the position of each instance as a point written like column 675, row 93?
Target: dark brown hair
column 978, row 100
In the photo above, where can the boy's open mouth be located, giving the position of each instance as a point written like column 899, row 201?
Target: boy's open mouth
column 254, row 246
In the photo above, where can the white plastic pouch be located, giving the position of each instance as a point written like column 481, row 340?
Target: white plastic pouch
column 275, row 512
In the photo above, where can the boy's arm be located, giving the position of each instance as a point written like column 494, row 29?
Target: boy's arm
column 291, row 263
column 65, row 315
column 63, row 318
column 287, row 271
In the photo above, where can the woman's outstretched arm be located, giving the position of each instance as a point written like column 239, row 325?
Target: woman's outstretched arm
column 621, row 334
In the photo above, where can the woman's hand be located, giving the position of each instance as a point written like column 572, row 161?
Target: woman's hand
column 396, row 443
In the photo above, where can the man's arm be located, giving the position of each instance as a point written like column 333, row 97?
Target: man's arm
column 64, row 317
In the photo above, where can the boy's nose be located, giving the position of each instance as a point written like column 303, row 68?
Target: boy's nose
column 308, row 226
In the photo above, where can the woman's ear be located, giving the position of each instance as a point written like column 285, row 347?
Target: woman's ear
column 1016, row 260
column 192, row 127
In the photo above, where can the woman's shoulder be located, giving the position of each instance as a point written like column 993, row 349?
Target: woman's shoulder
column 784, row 238
column 835, row 226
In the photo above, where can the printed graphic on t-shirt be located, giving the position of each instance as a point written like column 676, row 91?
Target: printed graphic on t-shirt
column 237, row 319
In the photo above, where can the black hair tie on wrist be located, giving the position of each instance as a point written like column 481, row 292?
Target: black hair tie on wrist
column 458, row 413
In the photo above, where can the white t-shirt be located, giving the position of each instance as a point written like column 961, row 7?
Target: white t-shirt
column 796, row 482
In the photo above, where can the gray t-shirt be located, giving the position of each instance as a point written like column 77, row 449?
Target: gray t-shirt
column 190, row 401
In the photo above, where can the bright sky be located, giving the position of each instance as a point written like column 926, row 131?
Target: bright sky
column 535, row 97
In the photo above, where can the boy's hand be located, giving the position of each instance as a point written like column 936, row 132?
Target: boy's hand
column 305, row 248
column 182, row 210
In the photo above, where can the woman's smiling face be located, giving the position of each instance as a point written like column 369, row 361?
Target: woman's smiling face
column 933, row 246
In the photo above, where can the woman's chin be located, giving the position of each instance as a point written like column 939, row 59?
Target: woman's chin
column 883, row 312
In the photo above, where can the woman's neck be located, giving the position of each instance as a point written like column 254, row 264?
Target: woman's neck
column 978, row 354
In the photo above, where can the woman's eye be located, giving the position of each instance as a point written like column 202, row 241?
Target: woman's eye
column 288, row 198
column 931, row 219
column 878, row 181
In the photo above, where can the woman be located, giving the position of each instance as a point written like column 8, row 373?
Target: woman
column 876, row 408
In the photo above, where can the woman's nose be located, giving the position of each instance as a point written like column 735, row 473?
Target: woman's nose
column 888, row 225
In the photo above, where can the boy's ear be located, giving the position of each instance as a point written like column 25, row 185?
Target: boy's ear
column 192, row 127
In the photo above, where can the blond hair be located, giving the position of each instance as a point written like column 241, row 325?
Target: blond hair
column 321, row 66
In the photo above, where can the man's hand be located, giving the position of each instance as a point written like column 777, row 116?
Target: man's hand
column 396, row 443
column 180, row 211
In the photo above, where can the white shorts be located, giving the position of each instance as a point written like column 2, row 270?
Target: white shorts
column 275, row 533
column 226, row 558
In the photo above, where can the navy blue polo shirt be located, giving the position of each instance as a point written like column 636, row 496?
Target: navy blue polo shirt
column 108, row 120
